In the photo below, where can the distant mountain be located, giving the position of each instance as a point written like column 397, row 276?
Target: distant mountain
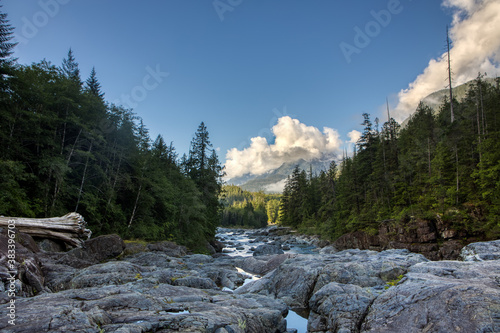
column 436, row 99
column 274, row 181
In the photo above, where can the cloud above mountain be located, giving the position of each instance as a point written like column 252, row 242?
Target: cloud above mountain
column 475, row 36
column 293, row 141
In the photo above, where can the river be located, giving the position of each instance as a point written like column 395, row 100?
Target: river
column 243, row 242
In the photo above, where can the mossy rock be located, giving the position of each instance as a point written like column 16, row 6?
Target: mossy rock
column 134, row 246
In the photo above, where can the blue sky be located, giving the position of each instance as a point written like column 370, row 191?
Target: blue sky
column 238, row 65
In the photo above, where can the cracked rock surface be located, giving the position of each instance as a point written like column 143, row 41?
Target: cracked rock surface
column 154, row 289
column 160, row 288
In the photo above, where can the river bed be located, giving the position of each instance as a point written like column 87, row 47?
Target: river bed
column 243, row 242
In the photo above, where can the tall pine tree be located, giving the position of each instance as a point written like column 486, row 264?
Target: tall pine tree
column 93, row 86
column 204, row 168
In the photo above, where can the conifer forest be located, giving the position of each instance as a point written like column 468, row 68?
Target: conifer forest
column 65, row 148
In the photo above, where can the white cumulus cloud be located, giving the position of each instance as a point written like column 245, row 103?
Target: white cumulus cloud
column 475, row 36
column 293, row 141
column 354, row 136
column 276, row 187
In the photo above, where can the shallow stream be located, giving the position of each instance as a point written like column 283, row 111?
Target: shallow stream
column 241, row 242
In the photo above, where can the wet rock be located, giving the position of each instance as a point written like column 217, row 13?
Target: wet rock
column 267, row 249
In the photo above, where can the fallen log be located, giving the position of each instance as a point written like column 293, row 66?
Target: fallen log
column 70, row 228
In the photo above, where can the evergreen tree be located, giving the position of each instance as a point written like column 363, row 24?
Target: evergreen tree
column 93, row 86
column 6, row 44
column 204, row 169
column 70, row 68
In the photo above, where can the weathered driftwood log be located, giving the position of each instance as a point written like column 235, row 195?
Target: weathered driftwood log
column 70, row 228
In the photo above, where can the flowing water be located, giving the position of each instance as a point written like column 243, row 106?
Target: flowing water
column 240, row 242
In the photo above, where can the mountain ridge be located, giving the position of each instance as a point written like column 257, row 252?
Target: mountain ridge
column 273, row 181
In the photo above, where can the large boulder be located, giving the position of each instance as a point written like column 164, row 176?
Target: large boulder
column 29, row 278
column 169, row 248
column 197, row 267
column 195, row 282
column 267, row 249
column 297, row 279
column 481, row 251
column 110, row 273
column 339, row 307
column 142, row 306
column 94, row 251
column 440, row 297
column 262, row 265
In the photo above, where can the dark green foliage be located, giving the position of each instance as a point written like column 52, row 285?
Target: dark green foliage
column 431, row 166
column 248, row 209
column 93, row 86
column 204, row 168
column 70, row 69
column 64, row 149
column 6, row 44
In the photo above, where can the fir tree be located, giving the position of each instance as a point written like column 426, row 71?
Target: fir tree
column 93, row 86
column 70, row 68
column 6, row 44
column 204, row 168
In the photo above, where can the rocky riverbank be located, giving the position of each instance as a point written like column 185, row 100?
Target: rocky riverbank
column 113, row 286
column 434, row 238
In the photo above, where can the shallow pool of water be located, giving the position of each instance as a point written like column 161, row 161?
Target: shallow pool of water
column 297, row 318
